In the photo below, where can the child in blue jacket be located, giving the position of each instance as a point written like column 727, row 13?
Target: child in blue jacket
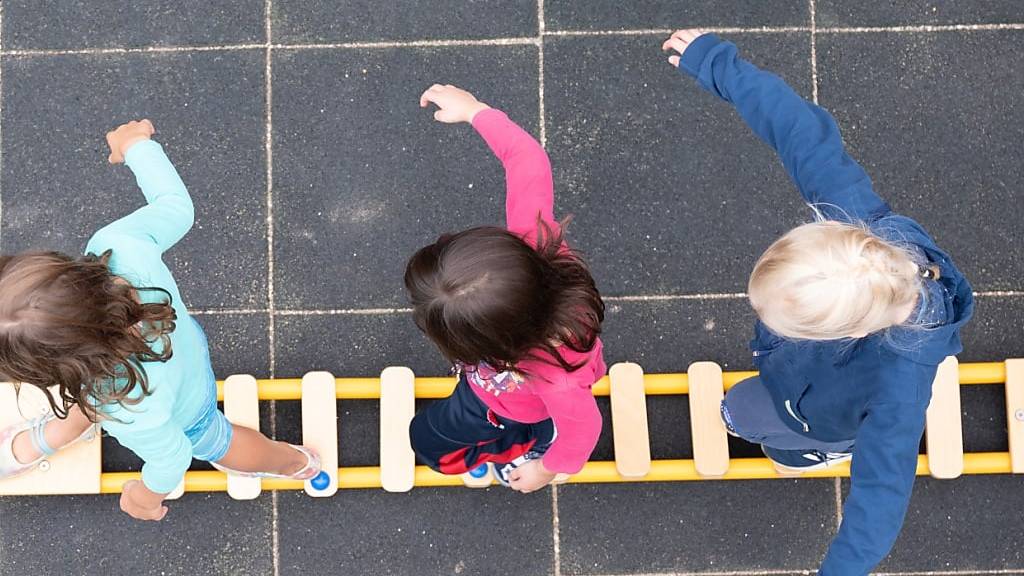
column 856, row 311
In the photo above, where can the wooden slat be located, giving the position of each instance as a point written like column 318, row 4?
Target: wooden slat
column 629, row 420
column 397, row 407
column 944, row 429
column 710, row 440
column 73, row 470
column 320, row 426
column 481, row 482
column 1015, row 412
column 242, row 408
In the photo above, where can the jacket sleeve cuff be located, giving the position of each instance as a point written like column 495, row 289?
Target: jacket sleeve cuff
column 695, row 53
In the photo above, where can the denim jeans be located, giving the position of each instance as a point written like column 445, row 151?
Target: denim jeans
column 748, row 411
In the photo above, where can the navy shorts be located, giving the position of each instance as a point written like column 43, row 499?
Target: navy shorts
column 459, row 433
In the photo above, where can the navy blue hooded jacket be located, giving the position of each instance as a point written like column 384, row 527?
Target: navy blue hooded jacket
column 875, row 389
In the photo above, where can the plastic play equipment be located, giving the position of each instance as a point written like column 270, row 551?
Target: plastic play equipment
column 78, row 470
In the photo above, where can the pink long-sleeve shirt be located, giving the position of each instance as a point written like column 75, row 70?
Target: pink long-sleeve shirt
column 549, row 391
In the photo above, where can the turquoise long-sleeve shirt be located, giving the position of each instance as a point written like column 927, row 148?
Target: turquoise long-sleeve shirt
column 154, row 428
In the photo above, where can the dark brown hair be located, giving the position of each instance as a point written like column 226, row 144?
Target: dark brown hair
column 74, row 324
column 485, row 295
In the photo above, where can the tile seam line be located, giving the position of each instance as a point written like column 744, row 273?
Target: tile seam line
column 631, row 298
column 1, row 115
column 726, row 573
column 814, row 51
column 526, row 40
column 965, row 572
column 275, row 535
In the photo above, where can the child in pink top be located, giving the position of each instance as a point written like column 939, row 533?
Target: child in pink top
column 517, row 313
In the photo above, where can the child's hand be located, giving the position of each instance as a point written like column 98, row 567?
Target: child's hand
column 530, row 476
column 456, row 105
column 679, row 41
column 138, row 502
column 125, row 135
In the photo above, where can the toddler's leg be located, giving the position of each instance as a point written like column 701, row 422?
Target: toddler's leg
column 459, row 433
column 750, row 412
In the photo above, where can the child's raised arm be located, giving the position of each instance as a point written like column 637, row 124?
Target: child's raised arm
column 529, row 186
column 169, row 213
column 804, row 135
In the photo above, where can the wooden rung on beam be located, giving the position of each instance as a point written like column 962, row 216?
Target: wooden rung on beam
column 397, row 407
column 242, row 408
column 629, row 420
column 710, row 440
column 944, row 436
column 1015, row 412
column 320, row 427
column 73, row 470
column 483, row 481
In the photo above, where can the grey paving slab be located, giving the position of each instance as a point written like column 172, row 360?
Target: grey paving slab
column 936, row 139
column 208, row 108
column 89, row 535
column 994, row 332
column 611, row 15
column 965, row 524
column 61, row 25
column 429, row 532
column 663, row 178
column 669, row 335
column 238, row 343
column 363, row 177
column 305, row 21
column 684, row 527
column 353, row 345
column 916, row 12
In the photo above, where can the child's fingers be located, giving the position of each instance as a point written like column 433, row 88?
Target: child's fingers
column 150, row 130
column 674, row 60
column 427, row 96
column 163, row 512
column 675, row 44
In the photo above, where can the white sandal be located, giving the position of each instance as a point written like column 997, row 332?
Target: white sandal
column 9, row 464
column 308, row 472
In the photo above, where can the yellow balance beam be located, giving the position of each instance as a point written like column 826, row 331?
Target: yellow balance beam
column 593, row 472
column 654, row 384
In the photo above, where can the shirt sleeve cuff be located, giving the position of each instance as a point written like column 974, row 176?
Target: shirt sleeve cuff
column 486, row 117
column 695, row 53
column 141, row 151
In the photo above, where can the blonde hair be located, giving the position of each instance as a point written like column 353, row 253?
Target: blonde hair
column 831, row 280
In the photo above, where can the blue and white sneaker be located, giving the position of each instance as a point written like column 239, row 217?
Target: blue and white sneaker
column 502, row 471
column 727, row 420
column 798, row 461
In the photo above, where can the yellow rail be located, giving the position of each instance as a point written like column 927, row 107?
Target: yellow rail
column 593, row 472
column 654, row 384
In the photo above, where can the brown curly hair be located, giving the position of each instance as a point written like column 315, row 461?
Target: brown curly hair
column 74, row 324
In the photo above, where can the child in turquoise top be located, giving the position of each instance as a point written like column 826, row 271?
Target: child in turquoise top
column 111, row 331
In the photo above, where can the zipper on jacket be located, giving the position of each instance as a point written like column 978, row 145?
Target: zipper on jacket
column 765, row 352
column 789, row 408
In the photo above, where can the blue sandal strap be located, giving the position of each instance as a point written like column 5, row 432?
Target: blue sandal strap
column 38, row 438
